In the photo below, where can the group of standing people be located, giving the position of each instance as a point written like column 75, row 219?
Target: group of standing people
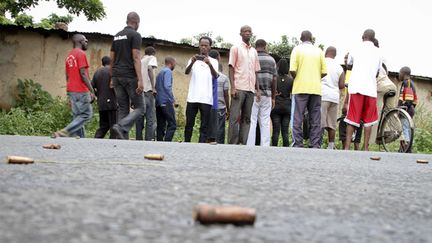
column 260, row 89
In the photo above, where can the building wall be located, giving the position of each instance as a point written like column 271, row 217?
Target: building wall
column 31, row 55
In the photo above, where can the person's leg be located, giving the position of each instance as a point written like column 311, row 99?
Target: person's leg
column 285, row 128
column 332, row 123
column 82, row 110
column 220, row 134
column 253, row 123
column 127, row 122
column 276, row 122
column 246, row 117
column 342, row 132
column 139, row 125
column 161, row 124
column 205, row 111
column 370, row 118
column 301, row 101
column 169, row 114
column 314, row 108
column 191, row 111
column 349, row 132
column 150, row 126
column 264, row 120
column 104, row 125
column 213, row 125
column 112, row 119
column 292, row 118
column 235, row 117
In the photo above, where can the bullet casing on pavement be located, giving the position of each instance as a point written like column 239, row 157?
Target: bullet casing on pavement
column 206, row 214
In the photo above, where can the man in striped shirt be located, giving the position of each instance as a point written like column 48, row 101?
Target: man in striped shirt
column 261, row 109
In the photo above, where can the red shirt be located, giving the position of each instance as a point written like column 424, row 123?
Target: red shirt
column 76, row 60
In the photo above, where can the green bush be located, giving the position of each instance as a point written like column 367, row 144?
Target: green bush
column 39, row 114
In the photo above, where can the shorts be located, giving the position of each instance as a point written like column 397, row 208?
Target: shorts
column 362, row 108
column 328, row 114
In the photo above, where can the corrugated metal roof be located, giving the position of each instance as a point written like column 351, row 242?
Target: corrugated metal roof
column 66, row 34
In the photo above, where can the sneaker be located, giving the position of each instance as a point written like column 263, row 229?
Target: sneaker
column 117, row 132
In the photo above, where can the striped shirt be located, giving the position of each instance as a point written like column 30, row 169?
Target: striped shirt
column 222, row 83
column 266, row 74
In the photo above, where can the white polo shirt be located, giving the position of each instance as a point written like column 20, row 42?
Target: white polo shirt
column 201, row 83
column 330, row 83
column 366, row 61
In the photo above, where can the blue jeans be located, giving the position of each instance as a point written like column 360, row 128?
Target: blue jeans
column 125, row 89
column 150, row 118
column 82, row 112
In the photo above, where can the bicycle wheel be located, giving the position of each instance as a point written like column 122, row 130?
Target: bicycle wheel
column 397, row 131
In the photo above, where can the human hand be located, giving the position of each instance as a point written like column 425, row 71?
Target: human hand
column 258, row 96
column 140, row 87
column 273, row 104
column 233, row 93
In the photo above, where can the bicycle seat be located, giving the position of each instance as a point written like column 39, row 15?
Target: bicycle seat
column 390, row 93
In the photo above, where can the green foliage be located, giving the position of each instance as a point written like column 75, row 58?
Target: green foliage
column 6, row 21
column 24, row 20
column 218, row 41
column 49, row 23
column 92, row 9
column 284, row 47
column 423, row 130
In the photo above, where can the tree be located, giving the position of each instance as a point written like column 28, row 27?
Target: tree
column 24, row 20
column 50, row 22
column 92, row 9
column 218, row 41
column 284, row 47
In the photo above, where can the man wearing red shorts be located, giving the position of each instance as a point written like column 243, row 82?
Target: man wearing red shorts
column 365, row 63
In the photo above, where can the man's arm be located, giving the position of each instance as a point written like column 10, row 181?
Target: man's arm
column 274, row 91
column 231, row 78
column 112, row 56
column 189, row 67
column 212, row 70
column 257, row 89
column 152, row 78
column 342, row 81
column 136, row 54
column 167, row 84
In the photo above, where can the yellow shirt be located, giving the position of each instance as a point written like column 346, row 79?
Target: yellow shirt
column 308, row 62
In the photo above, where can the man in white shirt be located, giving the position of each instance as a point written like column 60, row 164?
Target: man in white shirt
column 200, row 96
column 365, row 62
column 148, row 66
column 330, row 86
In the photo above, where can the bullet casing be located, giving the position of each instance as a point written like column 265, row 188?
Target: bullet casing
column 224, row 215
column 19, row 160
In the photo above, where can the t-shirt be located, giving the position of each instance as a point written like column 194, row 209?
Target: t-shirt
column 266, row 74
column 284, row 89
column 366, row 61
column 223, row 85
column 201, row 83
column 330, row 83
column 123, row 43
column 148, row 63
column 308, row 63
column 106, row 97
column 75, row 60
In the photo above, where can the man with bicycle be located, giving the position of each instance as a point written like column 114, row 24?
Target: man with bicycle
column 365, row 63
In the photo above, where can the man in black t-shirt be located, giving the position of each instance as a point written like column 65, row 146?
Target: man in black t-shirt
column 106, row 99
column 126, row 75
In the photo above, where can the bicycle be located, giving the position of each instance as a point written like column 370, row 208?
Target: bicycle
column 395, row 128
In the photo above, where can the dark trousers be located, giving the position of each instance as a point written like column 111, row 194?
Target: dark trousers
column 240, row 117
column 166, row 122
column 280, row 123
column 149, row 117
column 221, row 117
column 213, row 126
column 106, row 120
column 312, row 104
column 125, row 89
column 191, row 112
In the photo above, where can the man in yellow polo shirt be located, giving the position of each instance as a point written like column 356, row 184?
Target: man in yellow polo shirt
column 307, row 66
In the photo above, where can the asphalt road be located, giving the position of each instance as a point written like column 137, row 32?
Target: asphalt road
column 105, row 191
